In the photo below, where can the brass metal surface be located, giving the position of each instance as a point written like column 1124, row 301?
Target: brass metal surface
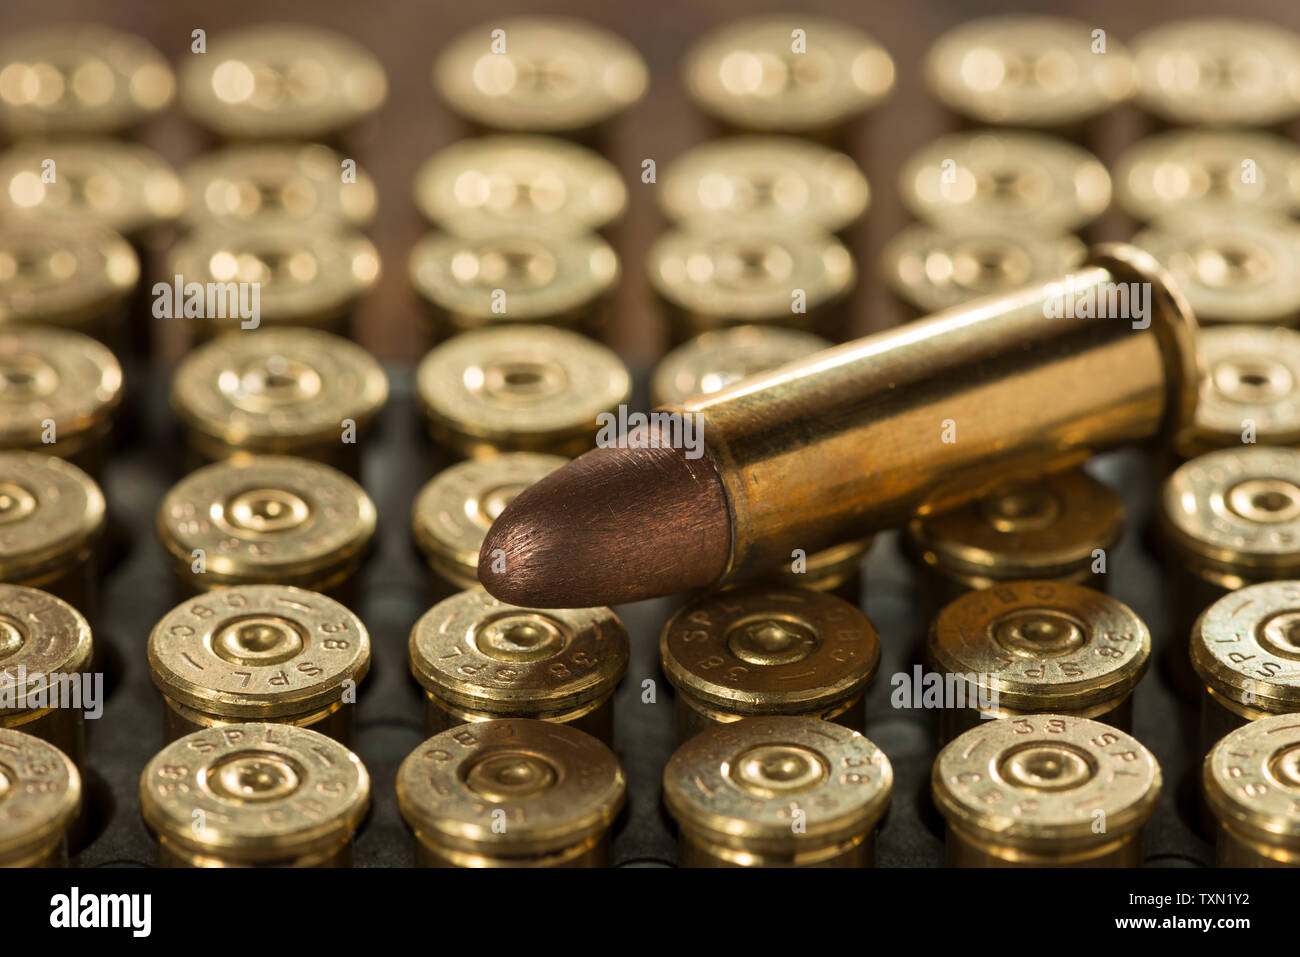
column 40, row 795
column 1251, row 783
column 1252, row 383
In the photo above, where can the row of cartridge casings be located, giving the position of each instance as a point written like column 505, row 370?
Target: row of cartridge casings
column 472, row 191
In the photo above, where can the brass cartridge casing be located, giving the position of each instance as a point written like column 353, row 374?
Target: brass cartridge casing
column 512, row 792
column 259, row 653
column 254, row 795
column 523, row 389
column 45, row 648
column 1015, row 381
column 281, row 392
column 1045, row 790
column 553, row 75
column 1028, row 647
column 455, row 508
column 479, row 659
column 1251, row 783
column 765, row 651
column 738, row 790
column 40, row 795
column 266, row 519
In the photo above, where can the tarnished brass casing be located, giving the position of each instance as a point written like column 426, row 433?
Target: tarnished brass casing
column 511, row 792
column 778, row 792
column 40, row 796
column 1251, row 783
column 254, row 795
column 479, row 659
column 1045, row 790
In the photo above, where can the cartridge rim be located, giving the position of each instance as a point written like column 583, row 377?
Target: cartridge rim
column 1025, row 70
column 1253, row 374
column 490, row 183
column 52, row 513
column 1248, row 644
column 40, row 794
column 741, row 73
column 231, row 653
column 44, row 635
column 84, row 272
column 1251, row 782
column 239, row 88
column 481, row 654
column 714, row 360
column 581, row 75
column 314, row 792
column 59, row 375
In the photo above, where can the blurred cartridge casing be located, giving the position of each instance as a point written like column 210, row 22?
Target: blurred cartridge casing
column 59, row 391
column 454, row 510
column 1231, row 270
column 1052, row 528
column 514, row 277
column 512, row 792
column 713, row 360
column 281, row 391
column 788, row 74
column 283, row 82
column 254, row 795
column 778, row 792
column 266, row 519
column 797, row 278
column 540, row 74
column 523, row 389
column 1031, row 71
column 79, row 79
column 929, row 269
column 765, row 183
column 45, row 652
column 1251, row 784
column 1028, row 647
column 40, row 794
column 764, row 651
column 479, row 659
column 1045, row 790
column 493, row 184
column 1028, row 183
column 52, row 518
column 1219, row 175
column 262, row 653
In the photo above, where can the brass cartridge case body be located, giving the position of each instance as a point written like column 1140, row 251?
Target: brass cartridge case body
column 40, row 794
column 1251, row 783
column 1018, row 387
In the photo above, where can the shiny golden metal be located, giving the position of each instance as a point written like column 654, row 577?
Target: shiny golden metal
column 788, row 74
column 1217, row 175
column 276, row 185
column 259, row 653
column 796, row 277
column 512, row 792
column 765, row 651
column 1251, row 783
column 58, row 393
column 1050, row 528
column 304, row 277
column 254, row 795
column 714, row 360
column 1219, row 71
column 540, row 74
column 280, row 392
column 479, row 659
column 764, row 182
column 1025, row 182
column 123, row 186
column 1028, row 647
column 52, row 520
column 527, row 388
column 1025, row 70
column 1231, row 270
column 40, row 794
column 45, row 651
column 778, row 792
column 281, row 81
column 79, row 79
column 930, row 269
column 1252, row 389
column 494, row 183
column 454, row 510
column 515, row 276
column 266, row 519
column 1045, row 790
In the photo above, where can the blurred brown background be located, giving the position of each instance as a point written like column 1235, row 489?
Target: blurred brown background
column 414, row 123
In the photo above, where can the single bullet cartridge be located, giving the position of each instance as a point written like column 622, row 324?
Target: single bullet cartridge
column 40, row 795
column 1252, row 786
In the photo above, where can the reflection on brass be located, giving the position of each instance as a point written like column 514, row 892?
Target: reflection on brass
column 1252, row 787
column 40, row 794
